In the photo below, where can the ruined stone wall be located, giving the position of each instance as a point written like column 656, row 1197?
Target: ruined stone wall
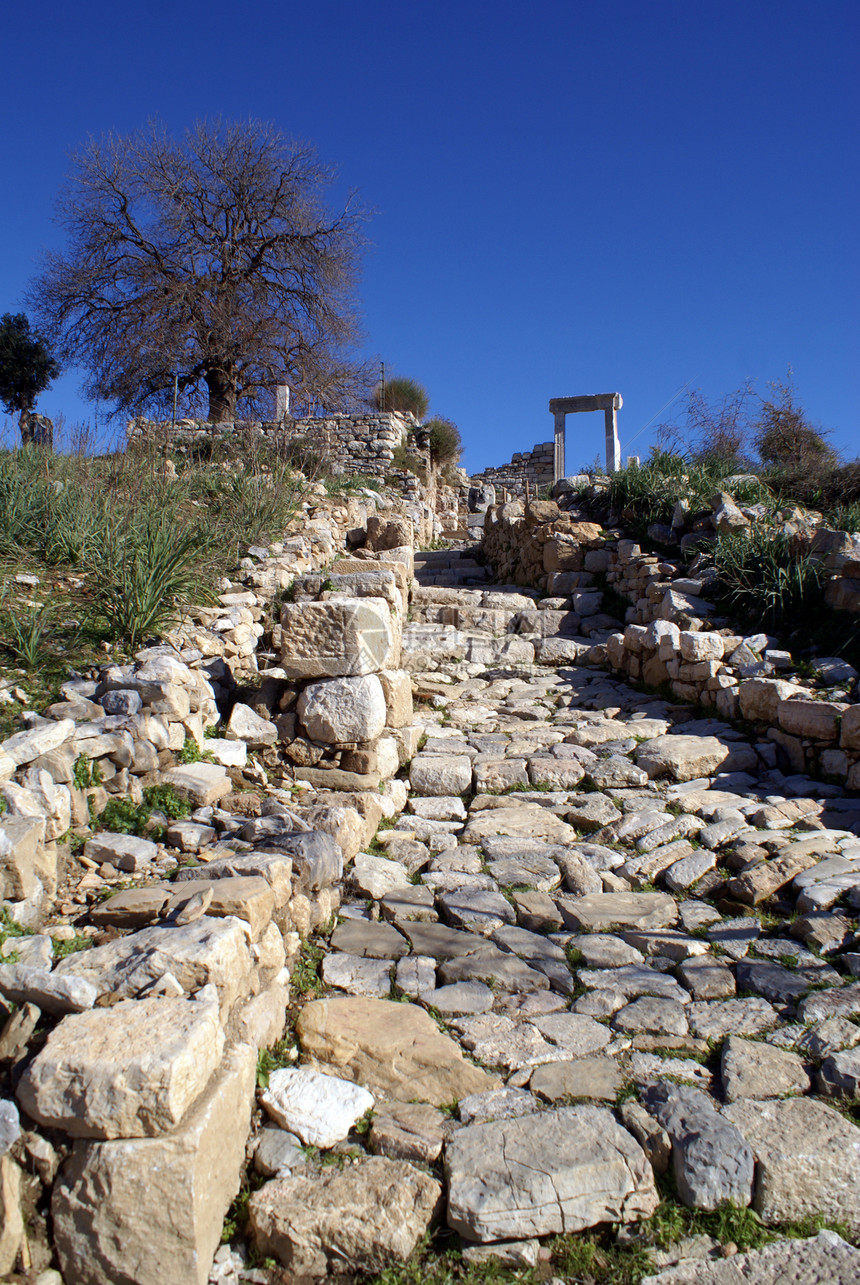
column 672, row 636
column 536, row 467
column 363, row 443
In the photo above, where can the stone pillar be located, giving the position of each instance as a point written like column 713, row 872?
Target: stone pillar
column 613, row 445
column 558, row 464
column 282, row 402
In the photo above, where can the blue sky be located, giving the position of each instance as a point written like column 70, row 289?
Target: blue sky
column 569, row 197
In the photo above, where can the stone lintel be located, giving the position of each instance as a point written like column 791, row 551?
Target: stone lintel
column 597, row 401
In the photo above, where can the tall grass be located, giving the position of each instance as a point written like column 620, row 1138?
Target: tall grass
column 145, row 530
column 768, row 581
column 143, row 570
column 648, row 492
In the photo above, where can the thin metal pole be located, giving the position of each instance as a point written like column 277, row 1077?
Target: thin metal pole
column 175, row 395
column 382, row 385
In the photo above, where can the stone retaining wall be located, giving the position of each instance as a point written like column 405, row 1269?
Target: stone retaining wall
column 672, row 636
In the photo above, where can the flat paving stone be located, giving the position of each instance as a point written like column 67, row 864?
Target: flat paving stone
column 357, row 975
column 632, row 981
column 370, row 939
column 537, row 872
column 598, row 912
column 500, row 1042
column 461, row 998
column 713, row 1020
column 824, row 1260
column 558, row 1171
column 443, row 942
column 497, row 968
column 595, row 1078
column 653, row 1016
column 478, row 910
column 752, row 1069
column 807, row 1160
column 575, row 1033
column 602, row 950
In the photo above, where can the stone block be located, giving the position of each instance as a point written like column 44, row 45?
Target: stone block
column 137, row 1211
column 397, row 689
column 814, row 720
column 362, row 1218
column 343, row 710
column 128, row 1071
column 26, row 864
column 556, row 1172
column 204, row 783
column 807, row 1160
column 338, row 639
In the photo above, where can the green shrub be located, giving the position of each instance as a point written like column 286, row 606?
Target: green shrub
column 404, row 395
column 402, row 458
column 122, row 816
column 167, row 799
column 444, row 440
column 784, row 437
column 192, row 753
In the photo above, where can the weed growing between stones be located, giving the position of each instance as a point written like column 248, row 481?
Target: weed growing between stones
column 86, row 772
column 306, row 978
column 192, row 753
column 122, row 816
column 281, row 1054
column 8, row 928
column 71, row 945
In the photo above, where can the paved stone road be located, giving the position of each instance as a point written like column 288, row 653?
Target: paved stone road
column 650, row 962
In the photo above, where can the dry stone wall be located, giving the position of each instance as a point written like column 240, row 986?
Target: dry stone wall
column 535, row 467
column 158, row 1023
column 672, row 636
column 362, row 443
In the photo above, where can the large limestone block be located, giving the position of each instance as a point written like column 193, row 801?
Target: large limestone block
column 343, row 710
column 143, row 1211
column 358, row 1219
column 396, row 1050
column 48, row 734
column 824, row 1260
column 682, row 757
column 525, row 820
column 559, row 1171
column 440, row 775
column 818, row 720
column 807, row 1160
column 25, row 862
column 337, row 639
column 248, row 897
column 204, row 783
column 760, row 698
column 130, row 1071
column 208, row 950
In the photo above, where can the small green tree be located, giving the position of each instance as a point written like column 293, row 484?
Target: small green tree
column 26, row 367
column 403, row 395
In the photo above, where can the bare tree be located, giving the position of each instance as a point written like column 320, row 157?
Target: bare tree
column 213, row 258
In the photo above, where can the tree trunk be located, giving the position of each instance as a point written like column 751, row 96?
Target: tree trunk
column 222, row 396
column 25, row 423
